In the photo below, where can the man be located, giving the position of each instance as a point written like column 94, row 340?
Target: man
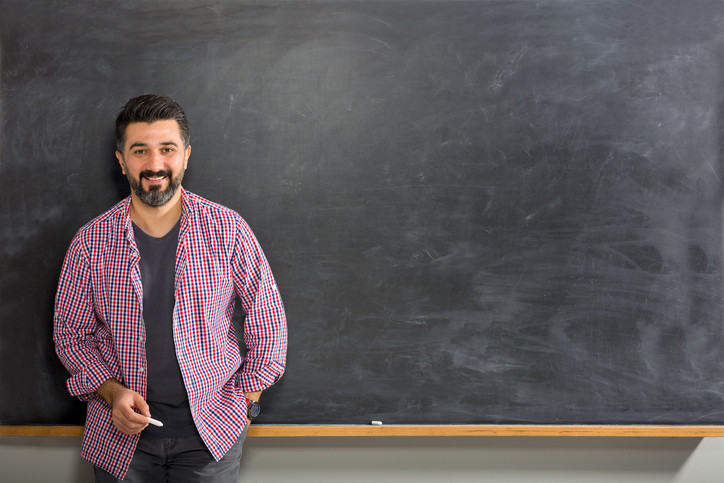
column 143, row 317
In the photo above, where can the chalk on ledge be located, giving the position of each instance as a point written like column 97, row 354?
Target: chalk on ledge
column 376, row 423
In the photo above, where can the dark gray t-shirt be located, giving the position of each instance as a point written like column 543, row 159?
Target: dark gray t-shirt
column 166, row 395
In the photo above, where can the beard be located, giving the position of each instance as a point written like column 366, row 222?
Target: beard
column 155, row 196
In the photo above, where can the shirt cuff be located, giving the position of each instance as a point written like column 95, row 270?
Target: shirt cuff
column 261, row 379
column 84, row 384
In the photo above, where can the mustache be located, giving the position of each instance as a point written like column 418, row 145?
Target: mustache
column 147, row 173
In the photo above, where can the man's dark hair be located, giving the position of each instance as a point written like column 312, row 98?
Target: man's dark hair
column 150, row 108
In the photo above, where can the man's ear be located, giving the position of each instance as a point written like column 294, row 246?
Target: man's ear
column 119, row 157
column 188, row 155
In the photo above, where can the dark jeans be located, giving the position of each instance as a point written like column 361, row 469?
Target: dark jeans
column 177, row 460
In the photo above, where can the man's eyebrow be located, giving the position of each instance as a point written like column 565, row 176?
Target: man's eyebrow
column 143, row 145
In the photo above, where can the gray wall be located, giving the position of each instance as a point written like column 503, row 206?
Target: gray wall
column 426, row 459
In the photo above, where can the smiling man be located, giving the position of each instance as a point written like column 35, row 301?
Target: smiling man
column 143, row 317
column 156, row 152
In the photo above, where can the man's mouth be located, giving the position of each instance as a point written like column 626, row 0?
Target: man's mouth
column 155, row 177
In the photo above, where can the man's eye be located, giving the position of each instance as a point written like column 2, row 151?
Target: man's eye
column 139, row 151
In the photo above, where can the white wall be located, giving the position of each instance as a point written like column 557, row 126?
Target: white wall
column 426, row 459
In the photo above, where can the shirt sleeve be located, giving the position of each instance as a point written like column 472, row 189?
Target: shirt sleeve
column 265, row 324
column 75, row 325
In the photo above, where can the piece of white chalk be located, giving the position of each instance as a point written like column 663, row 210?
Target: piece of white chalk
column 376, row 423
column 155, row 422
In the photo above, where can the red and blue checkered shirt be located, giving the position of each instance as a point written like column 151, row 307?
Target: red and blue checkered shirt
column 99, row 330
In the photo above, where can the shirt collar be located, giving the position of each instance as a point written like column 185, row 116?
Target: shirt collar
column 187, row 211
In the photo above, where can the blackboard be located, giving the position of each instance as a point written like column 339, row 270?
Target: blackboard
column 481, row 212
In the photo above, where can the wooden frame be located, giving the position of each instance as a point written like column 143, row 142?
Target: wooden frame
column 303, row 430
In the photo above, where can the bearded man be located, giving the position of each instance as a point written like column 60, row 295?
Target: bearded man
column 143, row 317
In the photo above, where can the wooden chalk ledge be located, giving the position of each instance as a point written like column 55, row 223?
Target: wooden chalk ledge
column 303, row 430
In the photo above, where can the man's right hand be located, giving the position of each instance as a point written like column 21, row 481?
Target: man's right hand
column 126, row 406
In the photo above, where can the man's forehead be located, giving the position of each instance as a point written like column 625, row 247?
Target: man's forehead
column 157, row 131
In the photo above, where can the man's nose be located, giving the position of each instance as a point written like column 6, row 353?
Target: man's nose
column 155, row 161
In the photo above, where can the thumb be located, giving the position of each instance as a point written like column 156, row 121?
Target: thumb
column 142, row 406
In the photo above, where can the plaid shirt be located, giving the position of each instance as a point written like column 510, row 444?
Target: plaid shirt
column 99, row 331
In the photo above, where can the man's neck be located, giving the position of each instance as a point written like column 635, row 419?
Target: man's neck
column 156, row 221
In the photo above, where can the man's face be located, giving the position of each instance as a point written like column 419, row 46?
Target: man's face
column 154, row 160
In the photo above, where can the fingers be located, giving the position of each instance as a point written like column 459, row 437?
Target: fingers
column 125, row 412
column 132, row 424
